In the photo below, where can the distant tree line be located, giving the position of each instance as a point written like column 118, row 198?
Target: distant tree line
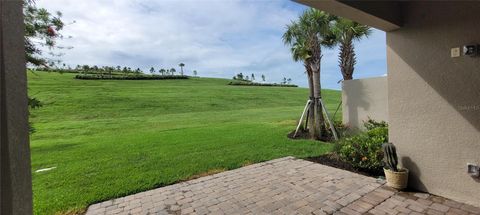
column 143, row 77
column 117, row 72
column 242, row 77
column 245, row 83
column 251, row 78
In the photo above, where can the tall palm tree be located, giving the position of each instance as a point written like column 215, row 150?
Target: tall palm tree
column 346, row 31
column 307, row 36
column 181, row 65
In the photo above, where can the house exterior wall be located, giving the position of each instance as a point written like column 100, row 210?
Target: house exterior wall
column 364, row 98
column 433, row 99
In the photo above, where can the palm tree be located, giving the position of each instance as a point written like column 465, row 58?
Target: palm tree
column 346, row 31
column 162, row 71
column 152, row 70
column 263, row 77
column 172, row 71
column 240, row 76
column 138, row 71
column 195, row 73
column 181, row 65
column 306, row 37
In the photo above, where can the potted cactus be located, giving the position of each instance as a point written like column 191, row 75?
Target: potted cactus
column 396, row 177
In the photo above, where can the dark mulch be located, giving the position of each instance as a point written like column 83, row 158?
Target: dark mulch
column 303, row 134
column 333, row 160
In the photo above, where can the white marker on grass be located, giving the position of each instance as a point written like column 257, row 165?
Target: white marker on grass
column 46, row 169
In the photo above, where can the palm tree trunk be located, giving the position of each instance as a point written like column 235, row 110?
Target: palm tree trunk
column 347, row 59
column 318, row 112
column 311, row 110
column 317, row 131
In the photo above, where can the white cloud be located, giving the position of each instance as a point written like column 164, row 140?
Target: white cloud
column 218, row 38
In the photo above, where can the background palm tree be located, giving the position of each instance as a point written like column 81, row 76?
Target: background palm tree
column 162, row 71
column 181, row 65
column 172, row 71
column 306, row 36
column 346, row 31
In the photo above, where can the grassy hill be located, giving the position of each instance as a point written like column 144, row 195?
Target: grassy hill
column 113, row 138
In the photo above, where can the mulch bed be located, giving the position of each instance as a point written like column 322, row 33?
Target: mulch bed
column 303, row 134
column 300, row 135
column 333, row 160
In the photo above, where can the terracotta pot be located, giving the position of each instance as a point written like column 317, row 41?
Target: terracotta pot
column 397, row 180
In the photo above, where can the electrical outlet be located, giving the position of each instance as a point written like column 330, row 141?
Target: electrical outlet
column 455, row 52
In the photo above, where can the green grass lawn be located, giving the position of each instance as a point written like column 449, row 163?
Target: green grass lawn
column 113, row 138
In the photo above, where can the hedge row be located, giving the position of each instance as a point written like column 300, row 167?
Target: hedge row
column 137, row 77
column 244, row 83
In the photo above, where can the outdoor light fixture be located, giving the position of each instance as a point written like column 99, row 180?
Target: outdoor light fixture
column 471, row 50
column 473, row 170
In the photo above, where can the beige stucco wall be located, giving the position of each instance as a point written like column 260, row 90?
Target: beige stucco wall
column 434, row 100
column 364, row 98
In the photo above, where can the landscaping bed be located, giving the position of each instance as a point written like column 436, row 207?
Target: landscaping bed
column 333, row 160
column 305, row 135
column 359, row 152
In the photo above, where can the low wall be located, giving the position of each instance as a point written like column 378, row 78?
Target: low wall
column 364, row 98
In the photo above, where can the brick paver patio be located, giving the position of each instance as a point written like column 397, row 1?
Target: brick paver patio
column 282, row 186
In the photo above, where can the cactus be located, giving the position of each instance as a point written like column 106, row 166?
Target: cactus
column 390, row 156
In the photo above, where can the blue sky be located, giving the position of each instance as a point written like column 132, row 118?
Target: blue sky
column 218, row 38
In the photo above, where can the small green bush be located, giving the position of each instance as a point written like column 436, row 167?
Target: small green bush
column 341, row 129
column 364, row 151
column 371, row 124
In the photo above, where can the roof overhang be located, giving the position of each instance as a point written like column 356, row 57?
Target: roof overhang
column 384, row 15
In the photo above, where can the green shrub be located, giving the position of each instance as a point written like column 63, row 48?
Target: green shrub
column 341, row 129
column 364, row 151
column 371, row 124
